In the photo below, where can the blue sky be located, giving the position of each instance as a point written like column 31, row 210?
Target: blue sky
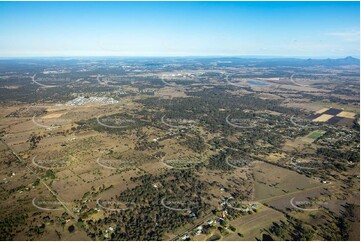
column 301, row 29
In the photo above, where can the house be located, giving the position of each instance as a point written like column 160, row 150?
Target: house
column 210, row 221
column 77, row 210
column 245, row 210
column 185, row 237
column 220, row 220
column 157, row 185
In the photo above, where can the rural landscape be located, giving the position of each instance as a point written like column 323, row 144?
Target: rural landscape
column 180, row 121
column 180, row 149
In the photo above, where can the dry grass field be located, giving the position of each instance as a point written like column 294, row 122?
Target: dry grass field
column 251, row 225
column 272, row 181
column 323, row 118
column 345, row 114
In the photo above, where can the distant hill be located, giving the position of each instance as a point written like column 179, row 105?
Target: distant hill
column 349, row 60
column 284, row 61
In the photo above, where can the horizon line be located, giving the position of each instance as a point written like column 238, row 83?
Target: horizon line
column 181, row 56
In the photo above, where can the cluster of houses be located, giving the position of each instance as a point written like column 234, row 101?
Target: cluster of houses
column 79, row 101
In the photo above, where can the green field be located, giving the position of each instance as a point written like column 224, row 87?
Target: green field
column 316, row 134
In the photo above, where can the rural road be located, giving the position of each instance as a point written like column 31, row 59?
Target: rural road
column 208, row 216
column 46, row 86
column 292, row 193
column 42, row 181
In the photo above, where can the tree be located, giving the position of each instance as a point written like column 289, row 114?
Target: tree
column 71, row 228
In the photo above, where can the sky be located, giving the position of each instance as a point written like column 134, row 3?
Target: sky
column 284, row 29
